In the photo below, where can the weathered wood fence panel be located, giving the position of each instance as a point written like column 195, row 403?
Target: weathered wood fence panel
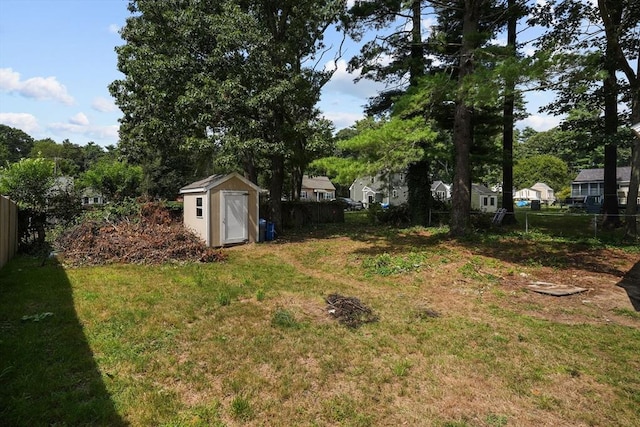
column 8, row 230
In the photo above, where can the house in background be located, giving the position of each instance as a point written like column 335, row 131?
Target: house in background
column 375, row 189
column 539, row 191
column 590, row 182
column 441, row 191
column 547, row 195
column 222, row 209
column 91, row 197
column 526, row 194
column 483, row 199
column 317, row 189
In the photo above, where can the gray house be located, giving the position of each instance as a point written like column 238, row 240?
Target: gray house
column 441, row 191
column 376, row 189
column 590, row 182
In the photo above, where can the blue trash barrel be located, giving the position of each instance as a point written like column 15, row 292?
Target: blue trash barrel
column 271, row 231
column 263, row 230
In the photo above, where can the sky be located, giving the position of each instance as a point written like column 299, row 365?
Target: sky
column 57, row 59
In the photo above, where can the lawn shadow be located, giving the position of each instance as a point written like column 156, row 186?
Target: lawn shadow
column 502, row 244
column 48, row 375
column 631, row 283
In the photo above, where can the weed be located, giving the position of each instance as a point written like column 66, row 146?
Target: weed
column 199, row 277
column 241, row 408
column 260, row 295
column 284, row 319
column 223, row 298
column 401, row 368
column 495, row 420
column 386, row 265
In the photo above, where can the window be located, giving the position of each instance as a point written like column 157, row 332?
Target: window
column 485, row 201
column 394, row 193
column 493, row 201
column 199, row 210
column 401, row 177
column 303, row 194
column 95, row 200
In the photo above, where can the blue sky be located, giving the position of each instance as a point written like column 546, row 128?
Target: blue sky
column 57, row 59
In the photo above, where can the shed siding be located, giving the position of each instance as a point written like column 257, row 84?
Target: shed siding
column 197, row 225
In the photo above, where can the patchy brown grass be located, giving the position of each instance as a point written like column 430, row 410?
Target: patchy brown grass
column 459, row 341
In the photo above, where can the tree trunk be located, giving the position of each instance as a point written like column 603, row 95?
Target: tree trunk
column 296, row 182
column 275, row 190
column 463, row 128
column 610, row 88
column 418, row 182
column 631, row 227
column 416, row 68
column 508, row 123
column 419, row 187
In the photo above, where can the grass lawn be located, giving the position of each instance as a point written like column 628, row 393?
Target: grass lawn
column 459, row 341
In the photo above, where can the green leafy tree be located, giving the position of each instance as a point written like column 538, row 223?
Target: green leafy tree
column 29, row 182
column 14, row 144
column 67, row 156
column 542, row 168
column 116, row 180
column 226, row 78
column 589, row 68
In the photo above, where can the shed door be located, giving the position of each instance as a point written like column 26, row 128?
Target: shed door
column 235, row 216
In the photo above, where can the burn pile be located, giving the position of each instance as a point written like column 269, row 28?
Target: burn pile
column 349, row 311
column 150, row 237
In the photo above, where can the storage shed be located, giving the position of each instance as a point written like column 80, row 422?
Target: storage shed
column 222, row 209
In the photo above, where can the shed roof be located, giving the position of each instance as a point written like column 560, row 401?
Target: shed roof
column 597, row 175
column 208, row 183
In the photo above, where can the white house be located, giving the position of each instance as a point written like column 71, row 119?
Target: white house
column 528, row 194
column 547, row 195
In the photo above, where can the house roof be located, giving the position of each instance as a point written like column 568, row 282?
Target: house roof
column 436, row 184
column 208, row 183
column 597, row 175
column 541, row 186
column 481, row 189
column 317, row 183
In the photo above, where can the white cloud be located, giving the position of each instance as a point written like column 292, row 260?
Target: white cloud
column 79, row 119
column 113, row 28
column 86, row 130
column 41, row 88
column 23, row 121
column 541, row 122
column 104, row 105
column 342, row 82
column 343, row 120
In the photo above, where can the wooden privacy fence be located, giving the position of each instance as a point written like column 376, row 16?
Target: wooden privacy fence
column 8, row 230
